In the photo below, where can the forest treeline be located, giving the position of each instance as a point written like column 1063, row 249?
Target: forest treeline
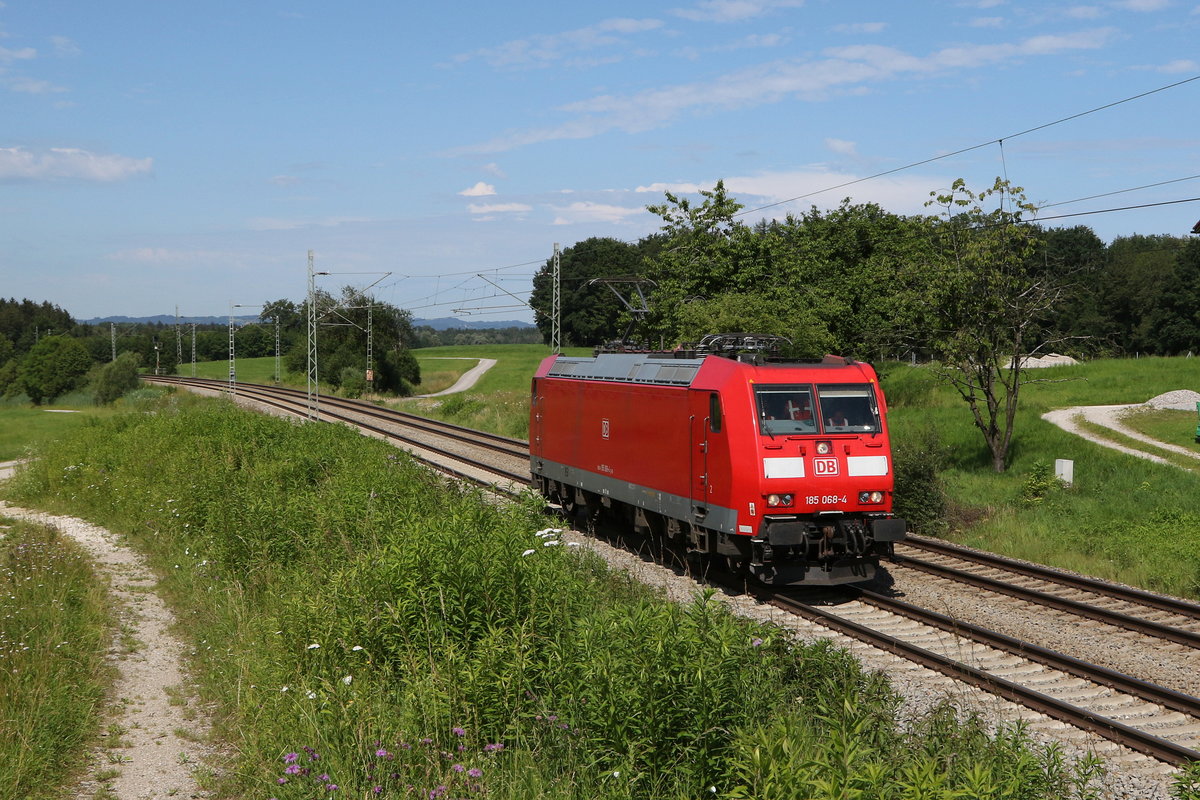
column 44, row 353
column 857, row 280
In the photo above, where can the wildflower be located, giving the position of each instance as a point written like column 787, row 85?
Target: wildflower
column 312, row 695
column 756, row 643
column 284, row 689
column 292, row 769
column 493, row 748
column 550, row 543
column 331, row 787
column 323, row 777
column 314, row 646
column 291, row 758
column 528, row 552
column 377, row 790
column 574, row 544
column 382, row 753
column 356, row 648
column 616, row 773
column 458, row 731
column 458, row 768
column 281, row 781
column 475, row 772
column 347, row 680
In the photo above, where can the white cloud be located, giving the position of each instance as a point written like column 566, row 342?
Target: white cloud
column 986, row 22
column 19, row 164
column 1180, row 65
column 861, row 27
column 732, row 10
column 498, row 208
column 65, row 47
column 842, row 69
column 842, row 147
column 480, row 189
column 901, row 194
column 587, row 211
column 284, row 180
column 494, row 169
column 8, row 56
column 20, row 83
column 1142, row 5
column 542, row 50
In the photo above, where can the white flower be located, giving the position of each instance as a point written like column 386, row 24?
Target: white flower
column 284, row 689
column 356, row 648
column 528, row 552
column 312, row 695
column 550, row 543
column 314, row 646
column 574, row 544
column 346, row 680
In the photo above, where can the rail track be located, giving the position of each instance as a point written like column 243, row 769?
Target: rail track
column 1124, row 708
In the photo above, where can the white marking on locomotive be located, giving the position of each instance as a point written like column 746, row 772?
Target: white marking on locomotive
column 783, row 467
column 605, row 428
column 866, row 466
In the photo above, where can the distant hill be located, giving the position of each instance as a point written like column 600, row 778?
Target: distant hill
column 439, row 324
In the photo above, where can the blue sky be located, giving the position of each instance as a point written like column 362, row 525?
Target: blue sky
column 156, row 155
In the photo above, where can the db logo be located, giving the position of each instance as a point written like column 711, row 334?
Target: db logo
column 605, row 428
column 825, row 466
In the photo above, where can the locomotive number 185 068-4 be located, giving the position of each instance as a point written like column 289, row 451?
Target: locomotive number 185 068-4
column 825, row 499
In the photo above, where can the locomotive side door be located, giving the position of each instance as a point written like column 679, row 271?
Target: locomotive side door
column 706, row 464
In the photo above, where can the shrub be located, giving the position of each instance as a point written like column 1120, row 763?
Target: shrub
column 919, row 494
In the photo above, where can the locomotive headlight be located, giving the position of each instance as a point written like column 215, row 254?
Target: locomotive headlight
column 824, row 448
column 779, row 500
column 870, row 497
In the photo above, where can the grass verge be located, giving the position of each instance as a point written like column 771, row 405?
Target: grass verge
column 54, row 623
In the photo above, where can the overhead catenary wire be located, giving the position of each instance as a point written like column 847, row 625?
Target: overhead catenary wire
column 943, row 156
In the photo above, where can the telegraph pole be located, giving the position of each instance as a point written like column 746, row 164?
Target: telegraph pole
column 556, row 306
column 370, row 363
column 112, row 332
column 193, row 349
column 178, row 341
column 232, row 361
column 278, row 374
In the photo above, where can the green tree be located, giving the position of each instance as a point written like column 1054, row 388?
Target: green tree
column 112, row 380
column 590, row 314
column 52, row 367
column 979, row 303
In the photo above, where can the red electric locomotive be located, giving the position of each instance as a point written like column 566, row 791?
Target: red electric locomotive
column 783, row 468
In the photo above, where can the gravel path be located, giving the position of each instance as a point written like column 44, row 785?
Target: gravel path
column 154, row 733
column 467, row 379
column 1111, row 417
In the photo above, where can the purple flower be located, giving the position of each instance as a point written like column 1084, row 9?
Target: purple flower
column 458, row 731
column 292, row 769
column 382, row 753
column 756, row 643
column 332, row 787
column 377, row 790
column 458, row 768
column 291, row 758
column 323, row 777
column 475, row 772
column 427, row 741
column 493, row 748
column 281, row 781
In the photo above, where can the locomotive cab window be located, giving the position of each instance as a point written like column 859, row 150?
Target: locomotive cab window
column 714, row 412
column 849, row 408
column 785, row 409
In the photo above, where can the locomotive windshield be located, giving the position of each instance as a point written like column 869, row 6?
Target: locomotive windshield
column 786, row 409
column 844, row 408
column 848, row 407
